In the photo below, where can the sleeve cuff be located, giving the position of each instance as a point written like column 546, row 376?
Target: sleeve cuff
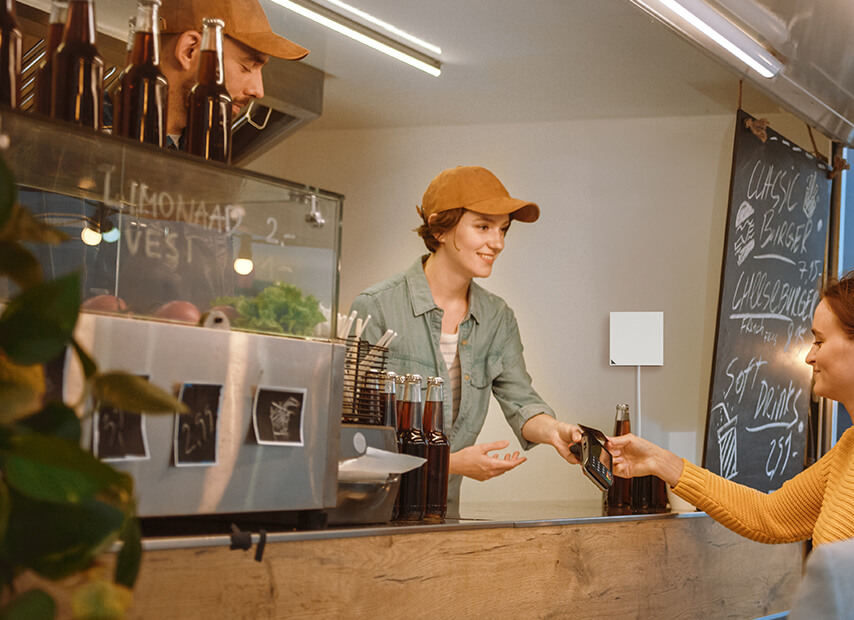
column 692, row 483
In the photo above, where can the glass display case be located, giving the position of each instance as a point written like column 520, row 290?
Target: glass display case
column 164, row 241
column 162, row 234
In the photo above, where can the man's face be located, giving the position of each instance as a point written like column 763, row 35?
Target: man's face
column 243, row 73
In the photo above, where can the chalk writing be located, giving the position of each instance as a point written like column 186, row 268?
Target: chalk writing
column 196, row 438
column 774, row 259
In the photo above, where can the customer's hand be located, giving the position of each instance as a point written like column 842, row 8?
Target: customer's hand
column 633, row 456
column 476, row 462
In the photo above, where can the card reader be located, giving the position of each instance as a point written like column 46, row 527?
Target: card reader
column 594, row 458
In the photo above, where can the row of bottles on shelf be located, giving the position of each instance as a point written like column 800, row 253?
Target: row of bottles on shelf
column 420, row 428
column 640, row 495
column 69, row 81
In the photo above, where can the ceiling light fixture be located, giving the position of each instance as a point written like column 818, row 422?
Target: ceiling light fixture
column 700, row 22
column 390, row 28
column 363, row 34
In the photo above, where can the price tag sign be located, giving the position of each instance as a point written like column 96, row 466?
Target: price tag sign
column 277, row 416
column 119, row 435
column 195, row 442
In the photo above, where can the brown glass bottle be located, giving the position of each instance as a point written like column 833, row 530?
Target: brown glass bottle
column 144, row 89
column 388, row 400
column 210, row 106
column 114, row 91
column 400, row 392
column 10, row 55
column 410, row 440
column 77, row 88
column 438, row 451
column 41, row 85
column 659, row 495
column 619, row 497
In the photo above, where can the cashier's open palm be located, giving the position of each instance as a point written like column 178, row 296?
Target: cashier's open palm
column 477, row 462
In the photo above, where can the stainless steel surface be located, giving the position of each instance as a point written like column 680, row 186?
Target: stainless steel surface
column 363, row 501
column 397, row 529
column 247, row 476
column 813, row 42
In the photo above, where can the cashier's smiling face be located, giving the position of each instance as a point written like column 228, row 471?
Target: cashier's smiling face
column 475, row 242
column 831, row 357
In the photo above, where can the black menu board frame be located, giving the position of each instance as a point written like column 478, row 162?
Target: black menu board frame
column 774, row 254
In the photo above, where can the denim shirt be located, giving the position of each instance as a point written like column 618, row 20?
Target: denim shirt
column 490, row 349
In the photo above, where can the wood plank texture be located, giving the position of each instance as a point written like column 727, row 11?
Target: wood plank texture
column 642, row 568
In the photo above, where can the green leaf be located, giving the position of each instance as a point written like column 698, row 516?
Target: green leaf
column 21, row 389
column 38, row 324
column 57, row 540
column 29, row 605
column 24, row 226
column 101, row 600
column 132, row 393
column 55, row 470
column 88, row 364
column 18, row 400
column 8, row 193
column 19, row 264
column 130, row 556
column 56, row 419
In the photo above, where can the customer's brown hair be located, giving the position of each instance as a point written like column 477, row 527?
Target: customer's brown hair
column 839, row 295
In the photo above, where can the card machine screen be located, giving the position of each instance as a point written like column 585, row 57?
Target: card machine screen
column 595, row 459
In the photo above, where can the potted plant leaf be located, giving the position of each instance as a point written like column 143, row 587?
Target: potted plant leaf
column 60, row 507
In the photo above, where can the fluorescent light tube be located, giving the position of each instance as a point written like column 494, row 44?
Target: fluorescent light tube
column 362, row 34
column 703, row 19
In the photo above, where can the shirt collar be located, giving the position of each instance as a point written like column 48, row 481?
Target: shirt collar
column 422, row 298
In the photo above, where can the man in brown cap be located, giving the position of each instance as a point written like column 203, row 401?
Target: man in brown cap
column 248, row 44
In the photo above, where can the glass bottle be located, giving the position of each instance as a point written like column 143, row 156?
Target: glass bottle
column 388, row 397
column 210, row 106
column 619, row 497
column 114, row 92
column 44, row 72
column 144, row 88
column 10, row 55
column 411, row 441
column 400, row 391
column 438, row 451
column 77, row 89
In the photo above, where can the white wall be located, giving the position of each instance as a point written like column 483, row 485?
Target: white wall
column 633, row 219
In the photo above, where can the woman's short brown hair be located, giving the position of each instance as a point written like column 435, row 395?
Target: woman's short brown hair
column 839, row 295
column 440, row 223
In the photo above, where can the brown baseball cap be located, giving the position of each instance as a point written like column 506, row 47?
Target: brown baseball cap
column 476, row 189
column 245, row 21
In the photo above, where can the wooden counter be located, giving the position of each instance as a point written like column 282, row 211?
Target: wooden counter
column 657, row 566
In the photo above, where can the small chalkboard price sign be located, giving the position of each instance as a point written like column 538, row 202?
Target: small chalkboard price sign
column 118, row 435
column 773, row 262
column 277, row 416
column 195, row 442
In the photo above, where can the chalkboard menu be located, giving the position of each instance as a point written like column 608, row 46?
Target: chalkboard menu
column 773, row 261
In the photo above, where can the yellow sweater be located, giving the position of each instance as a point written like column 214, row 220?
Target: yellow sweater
column 817, row 503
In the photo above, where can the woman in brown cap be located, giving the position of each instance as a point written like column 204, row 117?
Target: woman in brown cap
column 451, row 327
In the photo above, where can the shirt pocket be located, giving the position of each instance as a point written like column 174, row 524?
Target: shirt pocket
column 483, row 374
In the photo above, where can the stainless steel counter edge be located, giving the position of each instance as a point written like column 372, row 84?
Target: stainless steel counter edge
column 190, row 542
